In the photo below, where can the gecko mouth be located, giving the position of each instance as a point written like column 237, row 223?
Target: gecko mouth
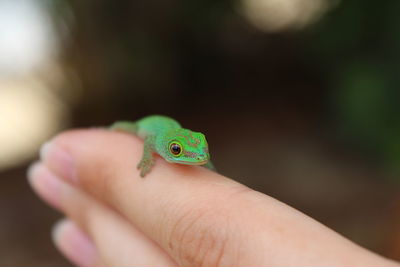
column 192, row 163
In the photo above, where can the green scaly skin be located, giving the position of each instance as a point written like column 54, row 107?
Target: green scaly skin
column 166, row 137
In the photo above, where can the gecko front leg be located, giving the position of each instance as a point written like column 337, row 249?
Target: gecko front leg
column 147, row 161
column 209, row 166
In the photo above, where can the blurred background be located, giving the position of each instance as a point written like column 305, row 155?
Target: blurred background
column 299, row 99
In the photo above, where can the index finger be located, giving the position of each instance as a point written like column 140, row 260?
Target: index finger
column 199, row 217
column 164, row 204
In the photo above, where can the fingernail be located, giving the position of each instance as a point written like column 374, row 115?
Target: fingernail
column 58, row 160
column 45, row 184
column 74, row 243
column 44, row 150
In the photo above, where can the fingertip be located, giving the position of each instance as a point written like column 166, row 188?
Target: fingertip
column 80, row 156
column 31, row 171
column 44, row 149
column 73, row 243
column 45, row 184
column 58, row 229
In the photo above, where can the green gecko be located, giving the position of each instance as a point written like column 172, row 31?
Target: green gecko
column 166, row 137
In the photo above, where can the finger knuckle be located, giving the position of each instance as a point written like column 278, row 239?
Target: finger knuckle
column 98, row 178
column 197, row 239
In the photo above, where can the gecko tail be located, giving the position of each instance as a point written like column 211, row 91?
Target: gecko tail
column 124, row 126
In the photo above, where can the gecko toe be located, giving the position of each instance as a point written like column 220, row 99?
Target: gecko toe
column 145, row 166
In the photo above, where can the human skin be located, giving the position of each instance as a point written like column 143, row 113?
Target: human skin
column 176, row 216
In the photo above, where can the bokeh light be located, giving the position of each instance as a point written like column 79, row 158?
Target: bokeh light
column 27, row 38
column 278, row 15
column 30, row 109
column 29, row 115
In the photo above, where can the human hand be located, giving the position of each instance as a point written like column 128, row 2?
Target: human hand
column 175, row 216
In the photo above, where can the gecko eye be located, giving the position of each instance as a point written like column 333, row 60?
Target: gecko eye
column 175, row 149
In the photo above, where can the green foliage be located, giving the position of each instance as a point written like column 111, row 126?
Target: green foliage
column 359, row 45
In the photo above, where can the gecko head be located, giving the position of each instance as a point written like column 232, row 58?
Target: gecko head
column 186, row 147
